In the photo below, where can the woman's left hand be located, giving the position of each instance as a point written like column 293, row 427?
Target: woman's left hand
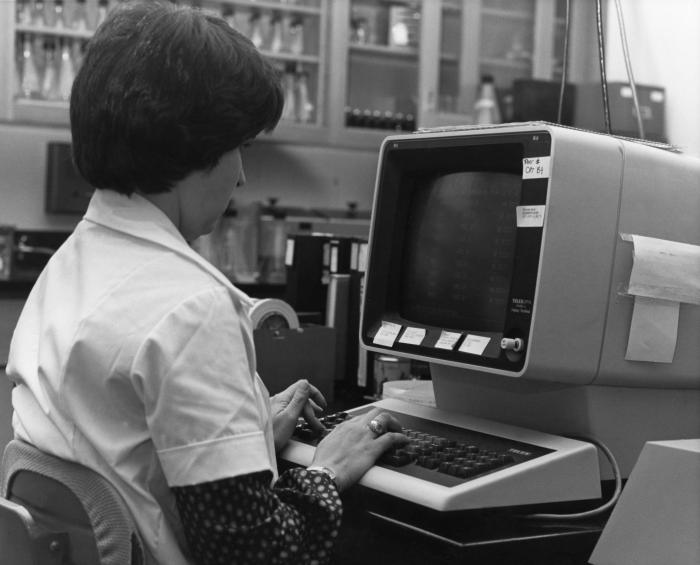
column 297, row 400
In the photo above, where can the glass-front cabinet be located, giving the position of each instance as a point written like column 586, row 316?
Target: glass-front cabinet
column 352, row 70
column 47, row 40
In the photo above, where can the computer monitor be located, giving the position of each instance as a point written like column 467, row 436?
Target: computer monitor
column 502, row 256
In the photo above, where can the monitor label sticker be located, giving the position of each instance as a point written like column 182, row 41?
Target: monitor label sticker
column 387, row 334
column 474, row 344
column 413, row 336
column 447, row 340
column 530, row 216
column 536, row 168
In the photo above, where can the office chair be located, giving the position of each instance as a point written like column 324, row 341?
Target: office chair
column 57, row 512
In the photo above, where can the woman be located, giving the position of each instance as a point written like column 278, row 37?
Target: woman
column 133, row 355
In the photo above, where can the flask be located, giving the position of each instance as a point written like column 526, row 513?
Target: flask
column 273, row 244
column 66, row 73
column 289, row 96
column 59, row 16
column 79, row 22
column 30, row 75
column 50, row 86
column 24, row 12
column 102, row 9
column 486, row 105
column 276, row 41
column 304, row 107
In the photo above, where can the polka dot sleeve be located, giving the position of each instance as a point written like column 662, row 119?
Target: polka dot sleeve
column 243, row 520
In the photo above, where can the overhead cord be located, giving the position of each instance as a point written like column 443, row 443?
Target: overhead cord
column 628, row 66
column 601, row 62
column 565, row 62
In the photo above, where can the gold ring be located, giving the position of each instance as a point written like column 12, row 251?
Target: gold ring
column 376, row 426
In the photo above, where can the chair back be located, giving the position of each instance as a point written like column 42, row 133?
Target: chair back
column 86, row 515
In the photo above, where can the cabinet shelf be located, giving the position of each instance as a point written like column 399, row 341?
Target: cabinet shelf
column 508, row 14
column 506, row 63
column 54, row 31
column 384, row 50
column 291, row 57
column 278, row 6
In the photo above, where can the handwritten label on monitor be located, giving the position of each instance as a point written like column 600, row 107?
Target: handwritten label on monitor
column 474, row 344
column 536, row 168
column 530, row 216
column 387, row 334
column 447, row 340
column 413, row 336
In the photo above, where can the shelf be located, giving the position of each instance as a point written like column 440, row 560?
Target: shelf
column 384, row 50
column 291, row 57
column 279, row 6
column 506, row 63
column 58, row 32
column 508, row 14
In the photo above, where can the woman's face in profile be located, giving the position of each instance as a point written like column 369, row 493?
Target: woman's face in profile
column 204, row 195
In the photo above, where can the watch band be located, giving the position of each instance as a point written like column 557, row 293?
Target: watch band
column 325, row 470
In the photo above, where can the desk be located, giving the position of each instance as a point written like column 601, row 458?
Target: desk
column 371, row 535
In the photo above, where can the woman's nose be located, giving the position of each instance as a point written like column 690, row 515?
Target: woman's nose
column 241, row 178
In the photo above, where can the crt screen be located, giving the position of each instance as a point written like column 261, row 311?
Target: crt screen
column 459, row 250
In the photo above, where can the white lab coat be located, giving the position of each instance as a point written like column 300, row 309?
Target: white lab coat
column 135, row 357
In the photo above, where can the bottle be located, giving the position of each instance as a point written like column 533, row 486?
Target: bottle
column 486, row 105
column 304, row 107
column 288, row 110
column 24, row 12
column 276, row 42
column 296, row 36
column 79, row 22
column 102, row 9
column 273, row 244
column 38, row 17
column 30, row 75
column 59, row 15
column 66, row 74
column 50, row 86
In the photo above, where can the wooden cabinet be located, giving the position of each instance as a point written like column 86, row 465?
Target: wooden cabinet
column 354, row 70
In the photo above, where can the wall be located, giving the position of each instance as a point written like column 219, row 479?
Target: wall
column 307, row 176
column 664, row 44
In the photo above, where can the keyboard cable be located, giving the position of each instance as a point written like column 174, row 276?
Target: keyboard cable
column 600, row 509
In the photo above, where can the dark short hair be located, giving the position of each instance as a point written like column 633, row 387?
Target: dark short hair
column 165, row 90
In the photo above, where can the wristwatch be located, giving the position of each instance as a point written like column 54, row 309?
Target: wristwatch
column 326, row 470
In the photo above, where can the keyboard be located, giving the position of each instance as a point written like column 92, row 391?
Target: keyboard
column 457, row 462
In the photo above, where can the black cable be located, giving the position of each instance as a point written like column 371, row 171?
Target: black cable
column 565, row 61
column 601, row 61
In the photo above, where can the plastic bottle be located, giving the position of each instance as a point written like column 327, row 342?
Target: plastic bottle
column 486, row 106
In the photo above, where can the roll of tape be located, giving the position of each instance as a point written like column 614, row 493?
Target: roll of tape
column 273, row 314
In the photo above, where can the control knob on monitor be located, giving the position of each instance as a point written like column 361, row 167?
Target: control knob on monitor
column 512, row 344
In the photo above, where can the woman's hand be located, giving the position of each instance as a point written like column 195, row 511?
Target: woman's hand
column 297, row 400
column 351, row 448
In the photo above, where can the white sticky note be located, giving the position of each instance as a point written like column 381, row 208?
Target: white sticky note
column 413, row 336
column 474, row 344
column 653, row 331
column 668, row 270
column 387, row 334
column 530, row 216
column 536, row 167
column 447, row 340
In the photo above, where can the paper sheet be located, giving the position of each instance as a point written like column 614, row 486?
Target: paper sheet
column 664, row 274
column 654, row 330
column 664, row 269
